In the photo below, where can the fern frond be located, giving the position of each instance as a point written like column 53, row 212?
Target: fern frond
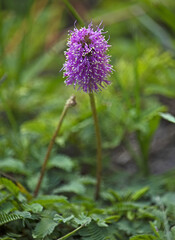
column 116, row 195
column 94, row 232
column 5, row 218
column 125, row 206
column 138, row 194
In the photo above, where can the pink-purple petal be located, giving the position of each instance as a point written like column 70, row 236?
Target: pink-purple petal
column 87, row 63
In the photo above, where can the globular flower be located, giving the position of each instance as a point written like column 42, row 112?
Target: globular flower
column 87, row 62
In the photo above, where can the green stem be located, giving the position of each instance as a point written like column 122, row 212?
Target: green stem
column 144, row 144
column 70, row 102
column 99, row 148
column 74, row 12
column 94, row 113
column 71, row 233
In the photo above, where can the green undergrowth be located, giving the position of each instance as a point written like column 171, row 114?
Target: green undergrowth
column 140, row 211
column 137, row 206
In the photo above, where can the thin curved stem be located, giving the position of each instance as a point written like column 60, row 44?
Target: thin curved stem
column 98, row 142
column 70, row 102
column 71, row 233
column 74, row 12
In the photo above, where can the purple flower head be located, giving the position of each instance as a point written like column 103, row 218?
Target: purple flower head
column 87, row 63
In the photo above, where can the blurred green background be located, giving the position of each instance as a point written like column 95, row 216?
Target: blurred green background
column 32, row 91
column 136, row 142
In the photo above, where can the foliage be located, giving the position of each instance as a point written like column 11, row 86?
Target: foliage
column 32, row 94
column 118, row 216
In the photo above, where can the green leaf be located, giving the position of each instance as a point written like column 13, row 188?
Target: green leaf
column 12, row 165
column 87, row 180
column 82, row 219
column 168, row 117
column 74, row 186
column 61, row 161
column 116, row 195
column 123, row 207
column 37, row 126
column 7, row 238
column 173, row 232
column 50, row 199
column 34, row 208
column 3, row 198
column 94, row 232
column 137, row 195
column 143, row 237
column 153, row 226
column 23, row 214
column 160, row 33
column 59, row 218
column 113, row 218
column 126, row 227
column 130, row 215
column 45, row 227
column 99, row 219
column 14, row 235
column 9, row 185
column 145, row 213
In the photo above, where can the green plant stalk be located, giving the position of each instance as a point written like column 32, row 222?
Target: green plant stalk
column 98, row 142
column 94, row 113
column 71, row 233
column 70, row 102
column 144, row 145
column 137, row 87
column 74, row 12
